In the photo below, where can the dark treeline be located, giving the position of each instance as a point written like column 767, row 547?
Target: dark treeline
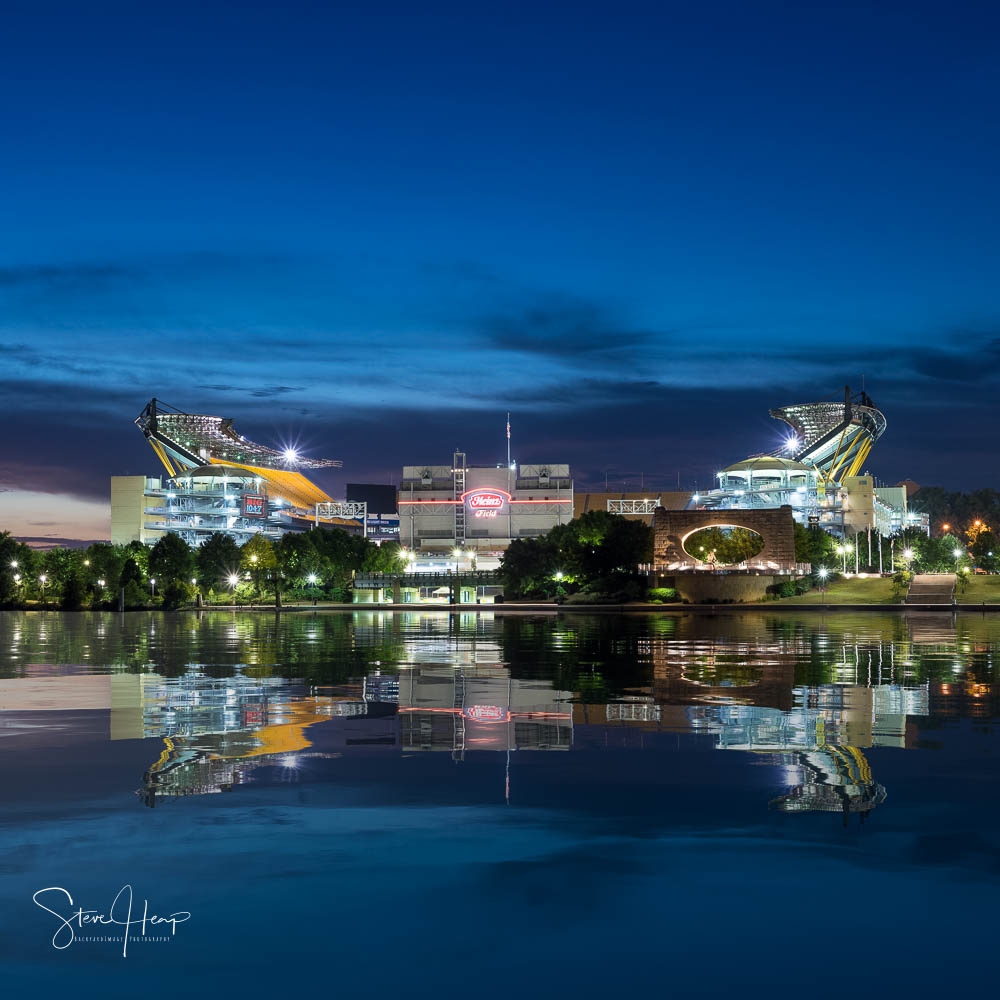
column 318, row 563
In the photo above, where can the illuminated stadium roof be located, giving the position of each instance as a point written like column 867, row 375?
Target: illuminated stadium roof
column 833, row 437
column 760, row 464
column 186, row 442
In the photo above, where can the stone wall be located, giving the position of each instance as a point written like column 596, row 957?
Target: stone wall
column 775, row 526
column 723, row 588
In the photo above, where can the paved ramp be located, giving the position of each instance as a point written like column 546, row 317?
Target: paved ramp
column 932, row 588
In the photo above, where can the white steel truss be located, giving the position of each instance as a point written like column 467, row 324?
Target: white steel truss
column 633, row 506
column 350, row 509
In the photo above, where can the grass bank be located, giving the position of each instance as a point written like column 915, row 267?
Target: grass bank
column 871, row 590
column 980, row 590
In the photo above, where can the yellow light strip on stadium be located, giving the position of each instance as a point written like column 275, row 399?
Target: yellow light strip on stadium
column 287, row 485
column 860, row 460
column 162, row 455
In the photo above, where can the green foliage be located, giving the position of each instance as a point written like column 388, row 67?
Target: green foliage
column 258, row 558
column 385, row 558
column 135, row 595
column 791, row 587
column 171, row 560
column 901, row 581
column 106, row 563
column 960, row 510
column 598, row 553
column 985, row 552
column 297, row 558
column 176, row 594
column 725, row 546
column 139, row 554
column 74, row 593
column 814, row 545
column 215, row 559
column 661, row 594
column 131, row 573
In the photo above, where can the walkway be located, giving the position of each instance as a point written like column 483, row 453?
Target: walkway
column 932, row 588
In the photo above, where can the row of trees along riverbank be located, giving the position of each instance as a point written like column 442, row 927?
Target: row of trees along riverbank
column 313, row 564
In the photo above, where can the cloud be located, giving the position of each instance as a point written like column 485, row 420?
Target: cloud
column 75, row 277
column 57, row 542
column 566, row 329
column 262, row 392
column 977, row 363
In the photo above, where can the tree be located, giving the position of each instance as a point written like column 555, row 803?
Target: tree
column 257, row 558
column 814, row 545
column 74, row 592
column 216, row 558
column 985, row 551
column 16, row 561
column 385, row 558
column 59, row 565
column 106, row 563
column 171, row 560
column 598, row 552
column 131, row 573
column 297, row 557
column 139, row 554
column 725, row 546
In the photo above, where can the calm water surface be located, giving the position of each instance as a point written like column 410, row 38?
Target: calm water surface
column 387, row 804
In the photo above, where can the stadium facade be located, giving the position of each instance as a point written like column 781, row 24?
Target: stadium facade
column 216, row 481
column 820, row 473
column 478, row 510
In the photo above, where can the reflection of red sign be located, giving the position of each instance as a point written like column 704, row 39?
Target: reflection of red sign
column 486, row 501
column 486, row 713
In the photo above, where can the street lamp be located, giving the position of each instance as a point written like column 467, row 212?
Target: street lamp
column 42, row 579
column 13, row 564
column 152, row 586
column 559, row 574
column 312, row 583
column 823, row 574
column 457, row 554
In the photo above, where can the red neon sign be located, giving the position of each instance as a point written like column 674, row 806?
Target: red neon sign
column 486, row 713
column 486, row 499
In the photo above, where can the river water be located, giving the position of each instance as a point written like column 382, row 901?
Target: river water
column 381, row 804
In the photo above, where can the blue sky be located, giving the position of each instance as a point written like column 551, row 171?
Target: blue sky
column 373, row 230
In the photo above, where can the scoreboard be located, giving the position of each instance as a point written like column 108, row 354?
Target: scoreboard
column 254, row 505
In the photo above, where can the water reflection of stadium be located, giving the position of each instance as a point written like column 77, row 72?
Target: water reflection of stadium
column 222, row 732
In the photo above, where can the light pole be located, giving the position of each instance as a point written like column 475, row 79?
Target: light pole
column 312, row 583
column 42, row 578
column 823, row 574
column 152, row 586
column 233, row 581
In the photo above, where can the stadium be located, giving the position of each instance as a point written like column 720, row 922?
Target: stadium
column 216, row 481
column 820, row 474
